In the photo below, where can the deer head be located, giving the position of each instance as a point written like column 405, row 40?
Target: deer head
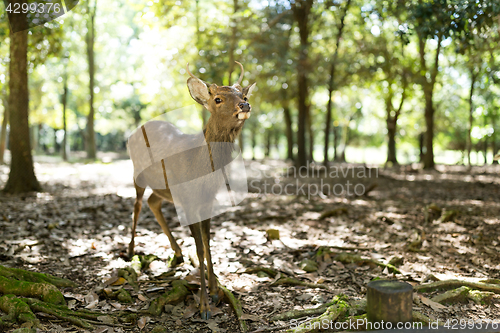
column 228, row 105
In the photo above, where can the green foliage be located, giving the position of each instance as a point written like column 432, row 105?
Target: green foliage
column 142, row 49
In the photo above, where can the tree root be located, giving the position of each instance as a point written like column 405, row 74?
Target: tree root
column 236, row 305
column 24, row 330
column 294, row 282
column 121, row 295
column 419, row 317
column 59, row 312
column 42, row 286
column 20, row 274
column 331, row 314
column 268, row 271
column 349, row 258
column 294, row 314
column 47, row 292
column 129, row 274
column 177, row 294
column 450, row 284
column 463, row 293
column 16, row 310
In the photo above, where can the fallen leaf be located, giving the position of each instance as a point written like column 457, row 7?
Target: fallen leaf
column 142, row 322
column 91, row 299
column 119, row 282
column 105, row 319
column 116, row 305
column 247, row 316
column 111, row 280
column 190, row 311
column 434, row 305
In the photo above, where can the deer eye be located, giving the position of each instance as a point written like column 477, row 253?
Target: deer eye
column 218, row 100
column 245, row 99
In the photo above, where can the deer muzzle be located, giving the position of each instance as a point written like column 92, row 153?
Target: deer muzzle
column 244, row 112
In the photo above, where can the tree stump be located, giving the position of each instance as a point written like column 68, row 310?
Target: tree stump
column 389, row 301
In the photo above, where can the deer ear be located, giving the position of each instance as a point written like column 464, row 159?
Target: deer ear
column 199, row 91
column 247, row 91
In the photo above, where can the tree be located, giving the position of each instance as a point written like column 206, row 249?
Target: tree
column 64, row 102
column 429, row 19
column 90, row 38
column 5, row 121
column 301, row 11
column 331, row 80
column 388, row 45
column 22, row 175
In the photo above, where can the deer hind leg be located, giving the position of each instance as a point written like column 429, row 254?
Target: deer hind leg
column 198, row 239
column 212, row 279
column 139, row 193
column 154, row 202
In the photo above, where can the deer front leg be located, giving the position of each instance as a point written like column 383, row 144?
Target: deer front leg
column 197, row 235
column 212, row 279
column 139, row 192
column 154, row 202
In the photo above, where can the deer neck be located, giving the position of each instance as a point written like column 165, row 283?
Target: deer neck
column 217, row 132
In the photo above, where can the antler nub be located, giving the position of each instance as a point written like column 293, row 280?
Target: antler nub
column 242, row 72
column 189, row 72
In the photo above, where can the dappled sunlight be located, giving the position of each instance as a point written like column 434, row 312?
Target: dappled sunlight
column 83, row 231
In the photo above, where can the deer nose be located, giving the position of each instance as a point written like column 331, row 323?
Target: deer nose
column 244, row 107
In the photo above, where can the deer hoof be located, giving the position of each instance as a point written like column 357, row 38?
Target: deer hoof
column 176, row 260
column 217, row 298
column 130, row 251
column 206, row 315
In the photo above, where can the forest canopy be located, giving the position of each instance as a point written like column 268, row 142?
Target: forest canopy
column 360, row 81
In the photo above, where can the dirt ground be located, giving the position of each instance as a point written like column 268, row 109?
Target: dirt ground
column 80, row 229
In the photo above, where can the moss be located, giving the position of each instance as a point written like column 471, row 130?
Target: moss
column 45, row 291
column 20, row 274
column 17, row 310
column 129, row 274
column 177, row 294
column 159, row 329
column 123, row 296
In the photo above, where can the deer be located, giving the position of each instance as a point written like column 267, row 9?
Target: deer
column 229, row 109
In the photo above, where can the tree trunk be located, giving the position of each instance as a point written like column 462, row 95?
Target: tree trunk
column 428, row 88
column 91, row 144
column 421, row 140
column 22, row 175
column 288, row 129
column 494, row 138
column 3, row 133
column 391, row 142
column 311, row 135
column 429, row 134
column 328, row 117
column 276, row 140
column 64, row 103
column 254, row 140
column 268, row 142
column 485, row 146
column 345, row 141
column 233, row 41
column 392, row 124
column 471, row 118
column 335, row 142
column 301, row 11
column 331, row 83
